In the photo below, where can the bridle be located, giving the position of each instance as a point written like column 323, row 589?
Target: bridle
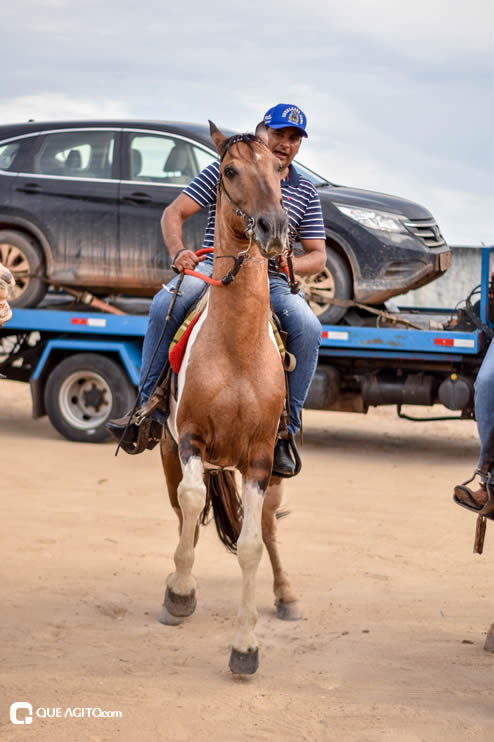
column 249, row 221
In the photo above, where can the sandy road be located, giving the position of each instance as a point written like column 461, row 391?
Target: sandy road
column 396, row 605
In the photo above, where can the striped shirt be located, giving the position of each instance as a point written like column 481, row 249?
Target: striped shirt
column 299, row 196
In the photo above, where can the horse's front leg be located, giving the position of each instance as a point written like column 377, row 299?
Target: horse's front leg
column 180, row 596
column 244, row 657
column 287, row 605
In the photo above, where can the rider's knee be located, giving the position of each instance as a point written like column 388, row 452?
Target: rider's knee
column 484, row 382
column 311, row 326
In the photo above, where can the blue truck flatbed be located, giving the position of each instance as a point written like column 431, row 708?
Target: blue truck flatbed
column 83, row 366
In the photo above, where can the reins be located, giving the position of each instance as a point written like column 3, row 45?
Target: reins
column 228, row 278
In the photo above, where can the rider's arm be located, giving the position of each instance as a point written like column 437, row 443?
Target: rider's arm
column 312, row 236
column 172, row 221
column 313, row 260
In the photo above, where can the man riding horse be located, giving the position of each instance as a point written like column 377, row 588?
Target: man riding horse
column 284, row 126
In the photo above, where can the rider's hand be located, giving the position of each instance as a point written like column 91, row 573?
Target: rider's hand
column 282, row 263
column 185, row 259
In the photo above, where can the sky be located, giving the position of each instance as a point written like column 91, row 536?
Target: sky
column 399, row 96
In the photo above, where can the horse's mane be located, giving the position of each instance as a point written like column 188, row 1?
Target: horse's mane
column 248, row 139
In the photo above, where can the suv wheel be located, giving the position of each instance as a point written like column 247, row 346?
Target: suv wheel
column 333, row 282
column 23, row 259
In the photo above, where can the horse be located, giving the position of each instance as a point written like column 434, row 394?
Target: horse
column 229, row 396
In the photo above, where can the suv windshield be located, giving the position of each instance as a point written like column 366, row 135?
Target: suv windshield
column 314, row 178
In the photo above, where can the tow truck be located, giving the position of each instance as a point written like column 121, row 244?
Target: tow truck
column 82, row 358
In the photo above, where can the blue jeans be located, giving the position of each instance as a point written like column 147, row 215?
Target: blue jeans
column 297, row 320
column 484, row 410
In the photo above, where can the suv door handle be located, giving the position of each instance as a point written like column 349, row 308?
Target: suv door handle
column 30, row 188
column 138, row 198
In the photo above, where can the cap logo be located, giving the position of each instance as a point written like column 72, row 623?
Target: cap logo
column 293, row 116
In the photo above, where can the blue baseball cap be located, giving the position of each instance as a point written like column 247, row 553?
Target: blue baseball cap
column 284, row 115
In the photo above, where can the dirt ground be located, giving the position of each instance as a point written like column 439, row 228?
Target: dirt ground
column 396, row 604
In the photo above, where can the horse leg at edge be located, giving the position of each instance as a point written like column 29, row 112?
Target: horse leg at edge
column 244, row 658
column 180, row 595
column 287, row 604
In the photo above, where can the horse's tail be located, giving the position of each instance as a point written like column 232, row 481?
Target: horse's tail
column 223, row 497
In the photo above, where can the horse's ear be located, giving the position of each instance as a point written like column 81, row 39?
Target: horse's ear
column 262, row 132
column 217, row 137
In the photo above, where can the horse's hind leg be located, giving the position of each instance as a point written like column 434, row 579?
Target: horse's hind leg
column 287, row 605
column 244, row 658
column 180, row 596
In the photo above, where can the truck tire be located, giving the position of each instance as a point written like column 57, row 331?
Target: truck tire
column 23, row 258
column 333, row 282
column 83, row 392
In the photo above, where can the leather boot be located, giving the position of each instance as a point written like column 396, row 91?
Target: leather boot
column 129, row 442
column 117, row 427
column 473, row 499
column 283, row 464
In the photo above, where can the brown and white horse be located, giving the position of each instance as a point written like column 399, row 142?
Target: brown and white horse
column 230, row 394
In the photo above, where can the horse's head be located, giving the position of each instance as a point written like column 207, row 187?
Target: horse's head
column 250, row 179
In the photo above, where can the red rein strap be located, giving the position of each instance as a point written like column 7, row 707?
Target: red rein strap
column 201, row 254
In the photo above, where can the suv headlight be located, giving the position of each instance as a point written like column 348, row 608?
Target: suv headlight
column 373, row 219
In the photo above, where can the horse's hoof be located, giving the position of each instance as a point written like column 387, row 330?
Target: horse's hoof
column 289, row 611
column 180, row 606
column 244, row 663
column 166, row 618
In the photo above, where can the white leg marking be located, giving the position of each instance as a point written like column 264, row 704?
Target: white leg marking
column 191, row 497
column 249, row 549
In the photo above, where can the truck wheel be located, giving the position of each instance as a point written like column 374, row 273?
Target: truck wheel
column 83, row 392
column 23, row 259
column 333, row 282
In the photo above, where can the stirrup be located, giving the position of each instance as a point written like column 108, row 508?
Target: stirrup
column 486, row 511
column 147, row 437
column 135, row 438
column 295, row 455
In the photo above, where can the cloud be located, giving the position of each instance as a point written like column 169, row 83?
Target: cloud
column 400, row 97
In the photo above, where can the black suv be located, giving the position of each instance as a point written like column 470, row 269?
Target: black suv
column 81, row 201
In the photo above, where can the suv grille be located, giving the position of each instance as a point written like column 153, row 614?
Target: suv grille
column 427, row 231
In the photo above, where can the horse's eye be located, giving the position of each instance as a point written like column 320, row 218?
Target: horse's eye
column 230, row 172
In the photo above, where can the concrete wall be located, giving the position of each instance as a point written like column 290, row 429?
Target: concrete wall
column 453, row 286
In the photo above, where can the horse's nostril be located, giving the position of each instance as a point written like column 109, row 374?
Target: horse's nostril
column 264, row 225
